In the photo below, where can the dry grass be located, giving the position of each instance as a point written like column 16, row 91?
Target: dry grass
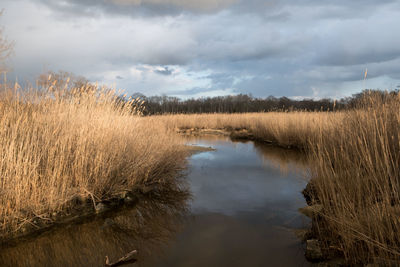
column 356, row 175
column 293, row 129
column 58, row 145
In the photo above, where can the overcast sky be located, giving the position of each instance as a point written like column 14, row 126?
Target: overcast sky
column 193, row 48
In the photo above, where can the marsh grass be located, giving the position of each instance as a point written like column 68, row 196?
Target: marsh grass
column 59, row 145
column 356, row 175
column 288, row 129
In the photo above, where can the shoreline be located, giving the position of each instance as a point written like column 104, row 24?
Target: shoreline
column 235, row 135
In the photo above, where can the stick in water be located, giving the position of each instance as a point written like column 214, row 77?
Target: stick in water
column 124, row 260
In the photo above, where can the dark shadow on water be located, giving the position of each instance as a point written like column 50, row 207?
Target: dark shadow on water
column 146, row 227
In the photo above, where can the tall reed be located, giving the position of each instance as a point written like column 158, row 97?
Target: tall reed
column 357, row 181
column 57, row 145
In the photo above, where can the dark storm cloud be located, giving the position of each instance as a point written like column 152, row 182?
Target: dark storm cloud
column 271, row 9
column 136, row 7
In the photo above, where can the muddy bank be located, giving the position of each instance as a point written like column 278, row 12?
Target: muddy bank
column 201, row 131
column 237, row 134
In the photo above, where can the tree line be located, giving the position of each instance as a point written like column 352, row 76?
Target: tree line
column 246, row 103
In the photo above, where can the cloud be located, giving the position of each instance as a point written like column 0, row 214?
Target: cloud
column 269, row 9
column 263, row 47
column 359, row 42
column 194, row 5
column 164, row 71
column 135, row 8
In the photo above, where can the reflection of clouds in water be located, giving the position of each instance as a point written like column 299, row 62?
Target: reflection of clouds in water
column 237, row 179
column 204, row 156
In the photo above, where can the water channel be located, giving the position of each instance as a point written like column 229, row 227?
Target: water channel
column 243, row 211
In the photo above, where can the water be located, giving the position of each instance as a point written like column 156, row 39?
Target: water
column 245, row 208
column 243, row 212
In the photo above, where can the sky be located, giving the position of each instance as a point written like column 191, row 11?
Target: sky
column 193, row 48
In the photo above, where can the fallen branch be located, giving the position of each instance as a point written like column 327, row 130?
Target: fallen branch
column 124, row 260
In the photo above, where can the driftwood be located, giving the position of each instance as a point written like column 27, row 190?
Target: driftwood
column 127, row 259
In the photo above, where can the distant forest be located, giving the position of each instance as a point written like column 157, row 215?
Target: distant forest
column 245, row 103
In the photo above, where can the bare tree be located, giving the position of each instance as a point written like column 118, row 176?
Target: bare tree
column 62, row 80
column 5, row 48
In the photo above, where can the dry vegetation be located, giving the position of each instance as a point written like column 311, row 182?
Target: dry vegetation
column 289, row 129
column 355, row 170
column 57, row 146
column 357, row 181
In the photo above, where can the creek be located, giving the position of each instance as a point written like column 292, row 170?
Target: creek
column 243, row 211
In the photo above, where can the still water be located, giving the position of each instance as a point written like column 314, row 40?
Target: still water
column 243, row 211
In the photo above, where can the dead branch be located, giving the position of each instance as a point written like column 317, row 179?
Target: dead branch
column 122, row 261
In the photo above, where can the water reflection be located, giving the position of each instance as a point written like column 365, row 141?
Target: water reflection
column 286, row 160
column 245, row 206
column 245, row 177
column 146, row 227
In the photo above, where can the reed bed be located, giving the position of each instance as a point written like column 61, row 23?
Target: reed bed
column 289, row 129
column 58, row 145
column 357, row 181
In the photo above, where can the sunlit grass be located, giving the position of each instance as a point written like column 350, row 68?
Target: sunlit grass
column 356, row 174
column 58, row 145
column 294, row 129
